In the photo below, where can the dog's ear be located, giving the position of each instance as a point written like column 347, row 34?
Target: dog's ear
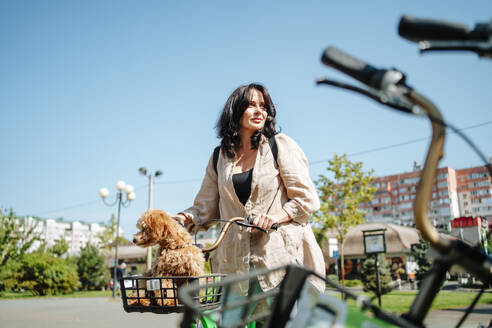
column 154, row 219
column 177, row 235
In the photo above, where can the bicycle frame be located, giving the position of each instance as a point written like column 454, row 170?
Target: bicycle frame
column 451, row 251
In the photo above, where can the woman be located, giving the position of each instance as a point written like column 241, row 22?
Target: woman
column 249, row 181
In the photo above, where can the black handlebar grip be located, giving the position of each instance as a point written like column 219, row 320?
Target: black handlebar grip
column 419, row 29
column 353, row 67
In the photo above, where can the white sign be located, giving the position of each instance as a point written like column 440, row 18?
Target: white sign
column 128, row 283
column 374, row 244
column 153, row 284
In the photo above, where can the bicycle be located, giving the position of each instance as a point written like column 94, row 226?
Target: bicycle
column 138, row 291
column 388, row 87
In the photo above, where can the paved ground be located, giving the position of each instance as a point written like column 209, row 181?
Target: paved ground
column 77, row 313
column 108, row 313
column 482, row 314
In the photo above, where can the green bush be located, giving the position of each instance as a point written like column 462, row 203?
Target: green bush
column 8, row 281
column 353, row 283
column 419, row 251
column 42, row 274
column 368, row 275
column 333, row 277
column 93, row 273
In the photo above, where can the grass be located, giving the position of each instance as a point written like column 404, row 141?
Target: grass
column 400, row 301
column 78, row 294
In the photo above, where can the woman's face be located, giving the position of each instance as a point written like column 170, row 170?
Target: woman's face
column 255, row 115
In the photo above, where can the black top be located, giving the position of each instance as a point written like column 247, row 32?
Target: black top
column 242, row 185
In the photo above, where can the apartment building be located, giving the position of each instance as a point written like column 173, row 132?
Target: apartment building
column 464, row 192
column 77, row 234
column 475, row 191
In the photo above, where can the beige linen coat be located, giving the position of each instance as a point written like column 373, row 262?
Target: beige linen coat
column 273, row 187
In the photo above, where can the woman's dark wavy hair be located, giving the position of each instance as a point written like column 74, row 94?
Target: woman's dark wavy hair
column 229, row 122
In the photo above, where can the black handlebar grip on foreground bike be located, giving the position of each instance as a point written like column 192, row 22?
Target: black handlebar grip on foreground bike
column 419, row 29
column 353, row 67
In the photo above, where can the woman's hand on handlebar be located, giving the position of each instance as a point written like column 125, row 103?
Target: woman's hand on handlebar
column 187, row 223
column 266, row 221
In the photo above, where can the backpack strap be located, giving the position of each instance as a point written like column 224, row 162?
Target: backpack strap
column 273, row 146
column 271, row 141
column 216, row 157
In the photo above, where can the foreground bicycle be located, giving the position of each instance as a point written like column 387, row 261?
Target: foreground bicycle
column 294, row 303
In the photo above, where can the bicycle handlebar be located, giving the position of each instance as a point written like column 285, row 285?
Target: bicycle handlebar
column 419, row 29
column 379, row 79
column 432, row 35
column 353, row 67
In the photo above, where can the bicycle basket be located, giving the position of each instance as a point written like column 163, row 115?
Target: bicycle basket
column 244, row 302
column 160, row 294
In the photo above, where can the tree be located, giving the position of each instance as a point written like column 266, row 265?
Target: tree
column 108, row 236
column 60, row 248
column 340, row 199
column 419, row 251
column 17, row 236
column 368, row 275
column 42, row 274
column 92, row 271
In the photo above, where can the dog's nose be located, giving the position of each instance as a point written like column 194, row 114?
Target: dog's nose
column 134, row 241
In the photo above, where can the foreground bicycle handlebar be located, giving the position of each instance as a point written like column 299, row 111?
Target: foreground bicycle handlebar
column 388, row 87
column 432, row 35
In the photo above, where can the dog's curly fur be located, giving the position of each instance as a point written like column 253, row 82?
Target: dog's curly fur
column 176, row 256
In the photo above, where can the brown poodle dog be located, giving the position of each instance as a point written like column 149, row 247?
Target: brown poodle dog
column 176, row 256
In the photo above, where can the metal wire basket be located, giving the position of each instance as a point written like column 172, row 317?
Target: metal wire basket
column 161, row 294
column 242, row 303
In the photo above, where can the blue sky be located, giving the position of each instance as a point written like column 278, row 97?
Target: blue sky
column 92, row 90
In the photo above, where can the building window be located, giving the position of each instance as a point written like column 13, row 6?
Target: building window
column 443, row 193
column 477, row 175
column 442, row 176
column 484, row 183
column 442, row 184
column 405, row 205
column 445, row 210
column 385, row 200
column 409, row 180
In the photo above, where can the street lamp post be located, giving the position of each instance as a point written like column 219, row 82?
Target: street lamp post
column 130, row 195
column 151, row 176
column 375, row 243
